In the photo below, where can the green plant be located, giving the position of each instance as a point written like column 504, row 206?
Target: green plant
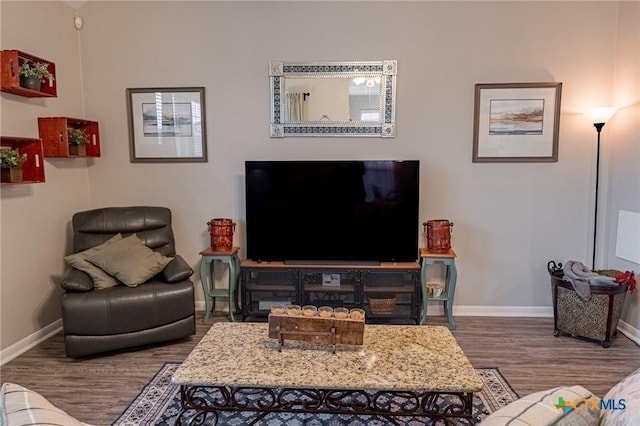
column 10, row 158
column 77, row 136
column 37, row 69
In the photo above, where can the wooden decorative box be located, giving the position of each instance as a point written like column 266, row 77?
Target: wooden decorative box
column 33, row 168
column 10, row 62
column 54, row 132
column 346, row 331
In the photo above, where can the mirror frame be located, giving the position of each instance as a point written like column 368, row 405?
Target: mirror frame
column 386, row 70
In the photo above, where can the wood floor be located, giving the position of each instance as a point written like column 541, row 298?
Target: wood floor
column 96, row 390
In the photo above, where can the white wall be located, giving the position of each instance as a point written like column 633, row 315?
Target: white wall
column 620, row 140
column 35, row 218
column 510, row 219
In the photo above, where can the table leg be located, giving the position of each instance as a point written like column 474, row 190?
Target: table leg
column 206, row 273
column 451, row 279
column 423, row 289
column 231, row 289
column 236, row 286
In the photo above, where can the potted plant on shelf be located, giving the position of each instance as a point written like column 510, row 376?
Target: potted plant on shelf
column 32, row 74
column 77, row 142
column 11, row 162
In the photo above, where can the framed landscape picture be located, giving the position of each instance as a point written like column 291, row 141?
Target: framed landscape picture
column 516, row 122
column 167, row 125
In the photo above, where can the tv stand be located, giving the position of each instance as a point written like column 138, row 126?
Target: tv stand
column 351, row 285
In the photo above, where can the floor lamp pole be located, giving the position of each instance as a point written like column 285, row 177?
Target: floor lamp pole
column 598, row 127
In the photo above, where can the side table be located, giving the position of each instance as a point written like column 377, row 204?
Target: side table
column 207, row 274
column 448, row 259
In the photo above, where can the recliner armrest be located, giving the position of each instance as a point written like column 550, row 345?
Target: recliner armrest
column 76, row 281
column 176, row 270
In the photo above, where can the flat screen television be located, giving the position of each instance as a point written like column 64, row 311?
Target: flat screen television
column 332, row 211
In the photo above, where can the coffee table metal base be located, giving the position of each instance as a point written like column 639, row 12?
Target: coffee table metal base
column 203, row 403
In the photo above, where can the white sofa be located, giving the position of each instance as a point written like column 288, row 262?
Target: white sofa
column 20, row 406
column 619, row 407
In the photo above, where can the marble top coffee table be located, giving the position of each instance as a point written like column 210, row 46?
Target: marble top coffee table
column 236, row 366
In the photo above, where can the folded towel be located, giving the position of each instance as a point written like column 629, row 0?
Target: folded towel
column 582, row 278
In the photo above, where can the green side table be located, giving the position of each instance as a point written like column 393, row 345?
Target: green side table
column 207, row 274
column 449, row 260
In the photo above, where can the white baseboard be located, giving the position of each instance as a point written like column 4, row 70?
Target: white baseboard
column 30, row 341
column 629, row 331
column 437, row 308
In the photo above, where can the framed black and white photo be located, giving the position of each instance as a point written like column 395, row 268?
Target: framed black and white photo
column 516, row 122
column 167, row 125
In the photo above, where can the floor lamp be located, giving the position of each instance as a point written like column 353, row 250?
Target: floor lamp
column 598, row 116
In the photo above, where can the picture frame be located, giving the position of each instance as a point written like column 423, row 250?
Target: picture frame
column 516, row 122
column 167, row 125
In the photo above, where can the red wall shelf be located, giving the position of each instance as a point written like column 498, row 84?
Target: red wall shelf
column 55, row 136
column 33, row 168
column 10, row 61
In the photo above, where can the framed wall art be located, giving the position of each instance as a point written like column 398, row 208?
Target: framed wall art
column 167, row 125
column 516, row 122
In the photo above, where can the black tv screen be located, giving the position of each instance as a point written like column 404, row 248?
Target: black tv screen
column 332, row 211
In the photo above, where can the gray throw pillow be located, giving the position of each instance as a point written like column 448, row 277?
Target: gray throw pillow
column 79, row 261
column 130, row 261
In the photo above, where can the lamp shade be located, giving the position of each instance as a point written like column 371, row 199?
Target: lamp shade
column 600, row 115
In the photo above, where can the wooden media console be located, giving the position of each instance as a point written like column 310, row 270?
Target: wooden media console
column 349, row 285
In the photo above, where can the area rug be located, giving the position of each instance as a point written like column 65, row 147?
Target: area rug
column 159, row 404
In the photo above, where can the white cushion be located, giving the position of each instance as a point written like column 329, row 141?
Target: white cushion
column 627, row 412
column 20, row 406
column 541, row 408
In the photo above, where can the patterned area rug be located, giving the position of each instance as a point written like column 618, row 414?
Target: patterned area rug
column 159, row 404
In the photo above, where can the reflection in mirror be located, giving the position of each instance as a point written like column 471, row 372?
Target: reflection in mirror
column 333, row 99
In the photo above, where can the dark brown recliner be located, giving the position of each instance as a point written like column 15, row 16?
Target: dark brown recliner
column 119, row 317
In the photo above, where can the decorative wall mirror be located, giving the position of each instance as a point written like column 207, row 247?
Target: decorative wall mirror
column 333, row 99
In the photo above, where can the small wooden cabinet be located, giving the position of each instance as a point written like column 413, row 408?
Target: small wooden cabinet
column 10, row 62
column 33, row 168
column 54, row 132
column 349, row 286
